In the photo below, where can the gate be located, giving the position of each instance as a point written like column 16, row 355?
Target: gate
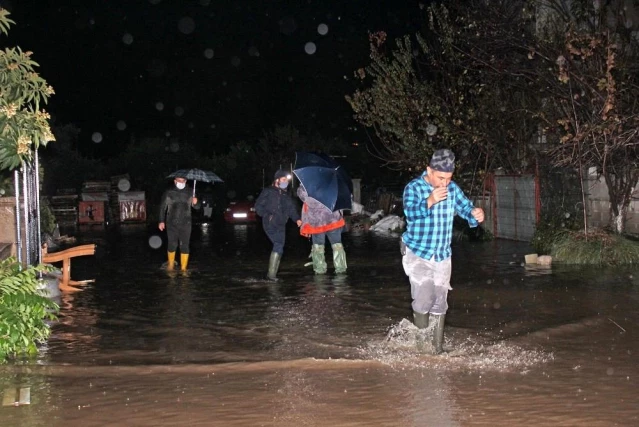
column 516, row 206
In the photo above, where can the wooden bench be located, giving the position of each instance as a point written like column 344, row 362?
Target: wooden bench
column 65, row 256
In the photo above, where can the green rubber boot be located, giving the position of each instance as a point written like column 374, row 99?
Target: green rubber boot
column 319, row 261
column 339, row 258
column 273, row 266
column 438, row 332
column 420, row 320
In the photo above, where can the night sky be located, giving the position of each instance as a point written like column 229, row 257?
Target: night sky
column 212, row 72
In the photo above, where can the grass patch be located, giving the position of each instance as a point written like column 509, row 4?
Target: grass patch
column 598, row 247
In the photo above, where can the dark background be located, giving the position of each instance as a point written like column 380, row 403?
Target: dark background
column 111, row 63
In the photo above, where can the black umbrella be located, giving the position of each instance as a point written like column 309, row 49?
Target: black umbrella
column 196, row 175
column 324, row 180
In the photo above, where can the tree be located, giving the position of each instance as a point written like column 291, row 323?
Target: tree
column 24, row 125
column 589, row 65
column 461, row 87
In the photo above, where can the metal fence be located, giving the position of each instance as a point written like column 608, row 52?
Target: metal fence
column 27, row 194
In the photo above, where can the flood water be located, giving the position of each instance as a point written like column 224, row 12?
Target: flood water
column 219, row 346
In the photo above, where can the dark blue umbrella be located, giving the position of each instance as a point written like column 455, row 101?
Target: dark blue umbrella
column 324, row 180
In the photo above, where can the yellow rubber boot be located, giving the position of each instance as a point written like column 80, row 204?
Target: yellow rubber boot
column 171, row 260
column 184, row 261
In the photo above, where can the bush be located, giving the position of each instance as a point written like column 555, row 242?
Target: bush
column 598, row 247
column 23, row 310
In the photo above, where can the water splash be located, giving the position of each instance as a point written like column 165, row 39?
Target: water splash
column 405, row 344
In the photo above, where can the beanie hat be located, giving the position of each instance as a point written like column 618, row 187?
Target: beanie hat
column 443, row 160
column 280, row 174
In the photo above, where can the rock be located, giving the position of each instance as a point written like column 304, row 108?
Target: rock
column 544, row 260
column 531, row 258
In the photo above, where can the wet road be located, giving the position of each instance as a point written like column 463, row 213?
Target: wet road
column 220, row 346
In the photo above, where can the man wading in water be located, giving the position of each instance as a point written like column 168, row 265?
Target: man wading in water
column 430, row 204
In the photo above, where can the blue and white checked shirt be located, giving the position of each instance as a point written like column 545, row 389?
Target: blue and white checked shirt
column 429, row 232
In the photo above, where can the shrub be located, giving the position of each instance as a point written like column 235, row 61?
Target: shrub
column 23, row 310
column 598, row 247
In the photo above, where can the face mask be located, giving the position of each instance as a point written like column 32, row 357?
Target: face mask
column 180, row 185
column 283, row 185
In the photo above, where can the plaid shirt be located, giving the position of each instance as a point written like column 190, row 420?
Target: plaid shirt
column 429, row 232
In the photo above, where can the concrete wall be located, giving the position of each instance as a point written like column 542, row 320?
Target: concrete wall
column 599, row 204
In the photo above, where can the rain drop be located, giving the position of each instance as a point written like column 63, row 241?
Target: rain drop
column 236, row 61
column 322, row 29
column 159, row 106
column 186, row 25
column 253, row 51
column 205, row 2
column 127, row 38
column 174, row 147
column 310, row 48
column 155, row 242
column 209, row 53
column 179, row 111
column 96, row 137
column 121, row 125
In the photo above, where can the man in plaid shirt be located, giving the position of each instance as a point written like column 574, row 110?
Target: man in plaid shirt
column 430, row 204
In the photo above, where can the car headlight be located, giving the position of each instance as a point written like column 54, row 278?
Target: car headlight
column 252, row 209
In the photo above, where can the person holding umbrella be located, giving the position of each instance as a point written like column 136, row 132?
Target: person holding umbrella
column 326, row 189
column 430, row 204
column 320, row 223
column 175, row 218
column 276, row 207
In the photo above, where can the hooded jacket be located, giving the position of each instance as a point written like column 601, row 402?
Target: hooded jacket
column 275, row 207
column 317, row 218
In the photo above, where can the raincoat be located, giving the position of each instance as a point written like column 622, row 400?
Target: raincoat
column 175, row 212
column 276, row 207
column 317, row 218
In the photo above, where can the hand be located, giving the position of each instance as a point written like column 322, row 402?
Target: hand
column 438, row 194
column 478, row 214
column 194, row 201
column 161, row 226
column 299, row 222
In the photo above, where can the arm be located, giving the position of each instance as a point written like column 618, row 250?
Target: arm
column 164, row 201
column 195, row 203
column 292, row 211
column 261, row 203
column 163, row 208
column 464, row 207
column 415, row 205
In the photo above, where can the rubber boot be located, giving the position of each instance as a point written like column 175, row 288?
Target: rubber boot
column 339, row 258
column 170, row 265
column 184, row 261
column 438, row 332
column 273, row 266
column 420, row 320
column 319, row 261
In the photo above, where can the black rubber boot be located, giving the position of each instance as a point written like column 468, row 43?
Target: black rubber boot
column 420, row 320
column 438, row 332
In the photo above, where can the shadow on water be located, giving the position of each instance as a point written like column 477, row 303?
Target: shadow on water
column 326, row 350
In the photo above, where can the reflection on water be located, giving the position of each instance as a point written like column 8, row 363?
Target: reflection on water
column 141, row 346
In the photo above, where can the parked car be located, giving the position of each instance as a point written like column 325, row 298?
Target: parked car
column 240, row 211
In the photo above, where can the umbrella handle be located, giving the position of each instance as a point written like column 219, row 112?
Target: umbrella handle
column 194, row 182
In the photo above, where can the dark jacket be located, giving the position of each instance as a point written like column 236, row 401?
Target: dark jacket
column 175, row 206
column 275, row 207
